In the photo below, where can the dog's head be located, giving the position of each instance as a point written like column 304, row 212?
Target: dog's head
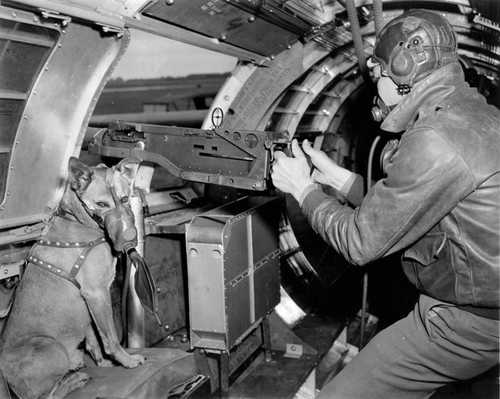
column 104, row 195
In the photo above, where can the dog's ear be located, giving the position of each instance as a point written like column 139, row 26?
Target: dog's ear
column 79, row 175
column 128, row 168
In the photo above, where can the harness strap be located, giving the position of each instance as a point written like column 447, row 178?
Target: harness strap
column 70, row 244
column 33, row 260
column 71, row 276
column 81, row 258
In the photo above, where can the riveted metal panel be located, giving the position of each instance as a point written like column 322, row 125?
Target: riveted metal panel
column 236, row 250
column 266, row 278
column 108, row 12
column 205, row 285
column 55, row 118
column 238, row 310
column 232, row 283
column 230, row 24
column 266, row 260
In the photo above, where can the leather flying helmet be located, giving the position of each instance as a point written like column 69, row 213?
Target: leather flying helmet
column 413, row 45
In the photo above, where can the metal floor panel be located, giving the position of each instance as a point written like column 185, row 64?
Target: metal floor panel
column 280, row 378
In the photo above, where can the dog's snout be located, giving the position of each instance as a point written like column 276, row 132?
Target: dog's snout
column 121, row 229
column 130, row 234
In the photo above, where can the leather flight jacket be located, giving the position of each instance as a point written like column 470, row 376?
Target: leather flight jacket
column 439, row 201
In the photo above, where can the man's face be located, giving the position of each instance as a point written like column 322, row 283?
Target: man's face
column 387, row 89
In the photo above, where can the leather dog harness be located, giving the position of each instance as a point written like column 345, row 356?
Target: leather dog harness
column 87, row 246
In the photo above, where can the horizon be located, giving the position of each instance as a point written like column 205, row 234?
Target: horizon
column 149, row 56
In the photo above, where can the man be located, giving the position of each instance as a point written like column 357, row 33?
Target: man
column 439, row 202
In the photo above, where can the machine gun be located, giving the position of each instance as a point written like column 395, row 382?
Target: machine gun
column 237, row 158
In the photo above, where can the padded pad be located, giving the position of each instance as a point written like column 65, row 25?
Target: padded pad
column 163, row 369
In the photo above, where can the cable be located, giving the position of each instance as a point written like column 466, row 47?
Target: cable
column 370, row 162
column 128, row 265
column 364, row 301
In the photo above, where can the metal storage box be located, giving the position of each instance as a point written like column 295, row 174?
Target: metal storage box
column 233, row 270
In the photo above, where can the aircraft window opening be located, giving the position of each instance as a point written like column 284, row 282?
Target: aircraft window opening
column 24, row 48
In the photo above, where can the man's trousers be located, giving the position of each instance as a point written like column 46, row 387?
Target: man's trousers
column 437, row 343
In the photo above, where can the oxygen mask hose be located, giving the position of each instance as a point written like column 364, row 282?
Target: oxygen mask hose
column 145, row 285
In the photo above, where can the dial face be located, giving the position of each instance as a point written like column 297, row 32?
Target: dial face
column 217, row 117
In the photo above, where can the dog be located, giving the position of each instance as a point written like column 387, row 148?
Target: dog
column 63, row 298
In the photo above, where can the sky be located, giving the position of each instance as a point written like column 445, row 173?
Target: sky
column 150, row 56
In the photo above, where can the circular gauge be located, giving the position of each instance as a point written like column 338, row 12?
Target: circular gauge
column 217, row 117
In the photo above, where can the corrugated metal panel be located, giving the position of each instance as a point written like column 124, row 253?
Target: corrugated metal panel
column 487, row 8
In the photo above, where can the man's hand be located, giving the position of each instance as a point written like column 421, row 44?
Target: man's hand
column 291, row 174
column 327, row 171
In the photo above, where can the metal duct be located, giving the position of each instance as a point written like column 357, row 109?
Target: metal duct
column 356, row 35
column 378, row 18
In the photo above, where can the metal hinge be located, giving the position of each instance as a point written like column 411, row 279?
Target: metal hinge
column 63, row 19
column 112, row 29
